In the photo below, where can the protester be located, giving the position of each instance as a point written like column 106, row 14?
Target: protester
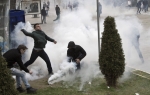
column 40, row 40
column 13, row 56
column 75, row 5
column 44, row 14
column 44, row 4
column 136, row 45
column 129, row 3
column 145, row 5
column 70, row 6
column 75, row 53
column 57, row 9
column 48, row 5
column 139, row 7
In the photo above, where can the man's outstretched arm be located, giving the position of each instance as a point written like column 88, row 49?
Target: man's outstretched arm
column 50, row 39
column 27, row 33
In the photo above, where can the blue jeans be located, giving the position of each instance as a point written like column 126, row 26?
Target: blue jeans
column 20, row 75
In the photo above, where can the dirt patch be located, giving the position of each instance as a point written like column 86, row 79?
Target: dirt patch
column 40, row 83
column 145, row 20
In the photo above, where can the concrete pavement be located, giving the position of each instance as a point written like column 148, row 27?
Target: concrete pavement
column 49, row 26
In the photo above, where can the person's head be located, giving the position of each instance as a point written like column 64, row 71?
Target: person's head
column 56, row 5
column 71, row 44
column 44, row 8
column 22, row 48
column 37, row 26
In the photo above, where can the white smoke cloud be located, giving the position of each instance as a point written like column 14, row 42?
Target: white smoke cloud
column 65, row 69
column 80, row 26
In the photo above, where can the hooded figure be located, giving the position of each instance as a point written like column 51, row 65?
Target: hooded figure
column 57, row 9
column 75, row 53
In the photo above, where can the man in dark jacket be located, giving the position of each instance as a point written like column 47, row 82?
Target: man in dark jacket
column 12, row 57
column 57, row 9
column 145, row 5
column 44, row 14
column 75, row 53
column 139, row 7
column 40, row 40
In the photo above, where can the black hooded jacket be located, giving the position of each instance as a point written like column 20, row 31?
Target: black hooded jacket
column 75, row 52
column 43, row 12
column 12, row 56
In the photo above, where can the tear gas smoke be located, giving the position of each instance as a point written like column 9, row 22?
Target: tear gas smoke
column 20, row 38
column 80, row 26
column 65, row 69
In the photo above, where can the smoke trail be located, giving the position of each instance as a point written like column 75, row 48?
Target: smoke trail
column 65, row 69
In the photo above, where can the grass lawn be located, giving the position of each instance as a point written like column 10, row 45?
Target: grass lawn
column 135, row 84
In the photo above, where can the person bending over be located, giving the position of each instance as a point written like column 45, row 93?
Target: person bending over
column 13, row 56
column 75, row 53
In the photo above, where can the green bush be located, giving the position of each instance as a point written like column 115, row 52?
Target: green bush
column 111, row 58
column 6, row 81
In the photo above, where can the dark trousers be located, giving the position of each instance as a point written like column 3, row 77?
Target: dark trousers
column 58, row 16
column 139, row 10
column 43, row 55
column 77, row 65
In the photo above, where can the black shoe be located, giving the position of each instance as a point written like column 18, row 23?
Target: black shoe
column 20, row 89
column 31, row 90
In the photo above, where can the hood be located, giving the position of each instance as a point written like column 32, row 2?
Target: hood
column 71, row 44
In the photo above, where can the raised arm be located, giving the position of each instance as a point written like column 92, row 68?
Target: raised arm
column 27, row 33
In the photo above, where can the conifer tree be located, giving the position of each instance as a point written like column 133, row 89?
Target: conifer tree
column 111, row 58
column 7, row 86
